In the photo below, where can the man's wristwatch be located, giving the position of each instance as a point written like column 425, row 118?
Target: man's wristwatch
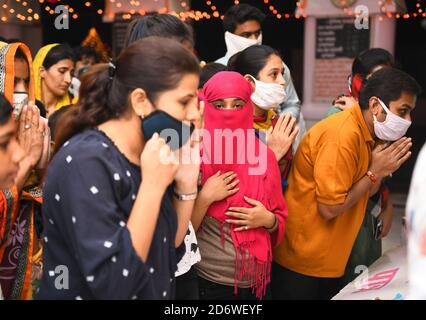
column 185, row 197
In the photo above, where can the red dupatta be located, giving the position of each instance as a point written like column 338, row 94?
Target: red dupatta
column 259, row 180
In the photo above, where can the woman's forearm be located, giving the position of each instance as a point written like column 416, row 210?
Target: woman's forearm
column 23, row 174
column 200, row 208
column 143, row 218
column 184, row 211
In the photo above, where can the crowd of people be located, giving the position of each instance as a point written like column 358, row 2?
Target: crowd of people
column 155, row 177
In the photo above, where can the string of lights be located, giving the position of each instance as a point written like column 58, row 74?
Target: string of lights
column 27, row 11
column 23, row 10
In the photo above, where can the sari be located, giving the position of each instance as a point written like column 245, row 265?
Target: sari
column 7, row 69
column 20, row 212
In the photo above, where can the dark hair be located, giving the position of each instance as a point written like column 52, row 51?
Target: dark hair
column 388, row 84
column 160, row 25
column 82, row 52
column 238, row 14
column 154, row 64
column 5, row 109
column 251, row 60
column 53, row 119
column 58, row 53
column 19, row 54
column 41, row 107
column 208, row 71
column 367, row 60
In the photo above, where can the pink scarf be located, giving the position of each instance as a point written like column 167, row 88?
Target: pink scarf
column 260, row 181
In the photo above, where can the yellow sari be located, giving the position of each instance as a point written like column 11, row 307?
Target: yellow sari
column 65, row 100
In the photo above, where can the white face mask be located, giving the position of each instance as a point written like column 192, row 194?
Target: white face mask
column 235, row 44
column 74, row 87
column 20, row 99
column 393, row 128
column 267, row 95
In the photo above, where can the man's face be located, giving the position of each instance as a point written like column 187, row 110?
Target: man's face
column 22, row 75
column 250, row 29
column 401, row 107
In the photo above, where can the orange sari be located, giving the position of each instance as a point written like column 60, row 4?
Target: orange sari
column 20, row 214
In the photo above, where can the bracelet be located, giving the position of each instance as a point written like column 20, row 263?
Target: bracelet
column 185, row 197
column 371, row 176
column 274, row 225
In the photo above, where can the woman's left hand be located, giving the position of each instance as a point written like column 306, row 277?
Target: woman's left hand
column 45, row 156
column 251, row 218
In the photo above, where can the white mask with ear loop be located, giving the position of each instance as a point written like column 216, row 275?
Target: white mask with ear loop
column 20, row 99
column 267, row 95
column 393, row 128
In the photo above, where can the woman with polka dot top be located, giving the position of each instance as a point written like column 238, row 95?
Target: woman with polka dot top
column 117, row 200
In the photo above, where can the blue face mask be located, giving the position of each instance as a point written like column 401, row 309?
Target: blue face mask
column 175, row 132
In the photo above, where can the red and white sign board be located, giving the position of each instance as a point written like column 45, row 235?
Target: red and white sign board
column 332, row 40
column 386, row 279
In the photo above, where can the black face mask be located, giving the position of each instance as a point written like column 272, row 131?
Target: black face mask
column 175, row 132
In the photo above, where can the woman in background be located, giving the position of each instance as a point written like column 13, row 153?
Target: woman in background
column 53, row 69
column 263, row 67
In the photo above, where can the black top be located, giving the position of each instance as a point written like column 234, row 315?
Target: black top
column 87, row 251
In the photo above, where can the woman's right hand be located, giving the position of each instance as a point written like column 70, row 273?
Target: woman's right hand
column 31, row 134
column 158, row 163
column 219, row 186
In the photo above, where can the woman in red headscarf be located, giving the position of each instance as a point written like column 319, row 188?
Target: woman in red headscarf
column 238, row 226
column 365, row 64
